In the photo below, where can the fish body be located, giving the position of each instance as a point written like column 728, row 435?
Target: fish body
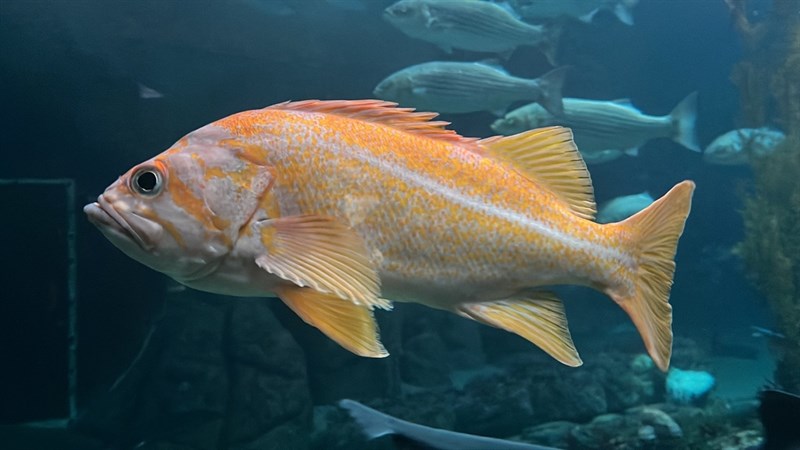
column 583, row 10
column 600, row 126
column 463, row 87
column 739, row 147
column 620, row 208
column 338, row 207
column 375, row 424
column 468, row 25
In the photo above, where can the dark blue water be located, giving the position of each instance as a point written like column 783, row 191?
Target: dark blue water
column 70, row 108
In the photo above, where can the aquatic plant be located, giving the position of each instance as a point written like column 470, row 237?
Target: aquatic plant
column 768, row 79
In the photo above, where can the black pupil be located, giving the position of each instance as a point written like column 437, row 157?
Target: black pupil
column 146, row 181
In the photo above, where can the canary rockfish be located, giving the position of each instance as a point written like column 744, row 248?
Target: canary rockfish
column 338, row 207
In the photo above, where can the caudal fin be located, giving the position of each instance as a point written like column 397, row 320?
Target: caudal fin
column 623, row 11
column 547, row 41
column 550, row 85
column 653, row 234
column 684, row 117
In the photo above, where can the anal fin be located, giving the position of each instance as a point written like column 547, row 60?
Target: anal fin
column 349, row 325
column 539, row 318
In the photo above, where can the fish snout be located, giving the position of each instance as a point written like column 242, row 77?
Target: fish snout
column 112, row 214
column 380, row 89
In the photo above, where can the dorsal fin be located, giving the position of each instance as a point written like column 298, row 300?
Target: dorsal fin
column 379, row 111
column 549, row 156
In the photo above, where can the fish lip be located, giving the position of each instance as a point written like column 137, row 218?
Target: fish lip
column 102, row 213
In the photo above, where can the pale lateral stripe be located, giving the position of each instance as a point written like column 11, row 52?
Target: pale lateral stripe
column 481, row 206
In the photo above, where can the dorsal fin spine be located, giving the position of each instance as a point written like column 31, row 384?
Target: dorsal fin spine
column 386, row 113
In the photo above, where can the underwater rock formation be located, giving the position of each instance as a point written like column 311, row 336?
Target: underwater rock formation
column 213, row 374
column 768, row 79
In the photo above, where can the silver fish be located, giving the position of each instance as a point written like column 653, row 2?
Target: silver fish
column 468, row 25
column 462, row 87
column 600, row 126
column 584, row 10
column 622, row 207
column 737, row 147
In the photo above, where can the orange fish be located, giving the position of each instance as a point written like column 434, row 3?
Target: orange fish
column 338, row 207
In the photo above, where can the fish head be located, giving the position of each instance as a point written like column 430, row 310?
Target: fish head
column 522, row 119
column 397, row 87
column 181, row 212
column 413, row 17
column 508, row 125
column 727, row 149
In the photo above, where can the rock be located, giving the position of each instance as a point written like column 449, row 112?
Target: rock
column 270, row 405
column 554, row 434
column 422, row 362
column 216, row 371
column 497, row 407
column 575, row 395
column 335, row 373
column 663, row 425
column 434, row 343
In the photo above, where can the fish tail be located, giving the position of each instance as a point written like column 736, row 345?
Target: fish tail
column 550, row 85
column 653, row 235
column 683, row 118
column 623, row 11
column 547, row 41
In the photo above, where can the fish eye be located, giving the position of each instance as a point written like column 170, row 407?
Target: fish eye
column 147, row 181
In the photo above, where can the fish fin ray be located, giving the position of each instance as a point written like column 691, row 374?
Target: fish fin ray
column 386, row 113
column 654, row 233
column 349, row 325
column 549, row 156
column 539, row 319
column 322, row 253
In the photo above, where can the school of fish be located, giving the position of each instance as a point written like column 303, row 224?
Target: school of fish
column 340, row 207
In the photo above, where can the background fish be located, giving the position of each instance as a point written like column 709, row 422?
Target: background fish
column 468, row 25
column 622, row 207
column 375, row 424
column 336, row 206
column 580, row 9
column 462, row 87
column 608, row 125
column 738, row 147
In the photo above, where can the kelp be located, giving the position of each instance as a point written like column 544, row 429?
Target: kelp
column 768, row 79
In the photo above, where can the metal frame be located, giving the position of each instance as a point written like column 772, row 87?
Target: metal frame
column 72, row 280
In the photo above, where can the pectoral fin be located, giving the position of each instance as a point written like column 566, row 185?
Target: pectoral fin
column 540, row 319
column 351, row 326
column 321, row 253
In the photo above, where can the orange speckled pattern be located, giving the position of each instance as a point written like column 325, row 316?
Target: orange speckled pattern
column 444, row 222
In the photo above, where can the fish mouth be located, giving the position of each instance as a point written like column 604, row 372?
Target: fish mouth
column 103, row 215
